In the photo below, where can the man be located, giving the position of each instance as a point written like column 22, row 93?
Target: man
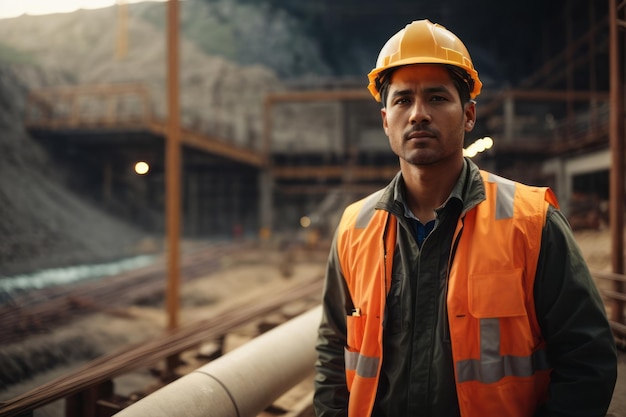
column 452, row 291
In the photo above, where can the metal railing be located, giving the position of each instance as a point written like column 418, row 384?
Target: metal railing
column 89, row 105
column 89, row 390
column 119, row 106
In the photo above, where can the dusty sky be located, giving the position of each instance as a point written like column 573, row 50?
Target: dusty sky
column 13, row 8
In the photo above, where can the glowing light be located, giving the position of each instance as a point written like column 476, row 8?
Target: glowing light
column 142, row 168
column 480, row 145
column 305, row 221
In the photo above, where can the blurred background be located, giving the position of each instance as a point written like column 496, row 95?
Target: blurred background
column 277, row 134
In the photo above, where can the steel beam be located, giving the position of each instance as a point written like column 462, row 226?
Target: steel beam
column 317, row 95
column 616, row 140
column 359, row 173
column 173, row 179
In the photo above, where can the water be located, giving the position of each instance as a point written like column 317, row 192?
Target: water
column 10, row 286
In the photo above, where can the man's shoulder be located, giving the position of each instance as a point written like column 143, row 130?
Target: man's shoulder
column 492, row 177
column 367, row 201
column 533, row 195
column 358, row 211
column 358, row 214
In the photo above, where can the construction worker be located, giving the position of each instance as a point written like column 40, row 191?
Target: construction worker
column 453, row 291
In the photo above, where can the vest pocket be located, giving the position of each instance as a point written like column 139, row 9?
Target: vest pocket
column 497, row 294
column 355, row 328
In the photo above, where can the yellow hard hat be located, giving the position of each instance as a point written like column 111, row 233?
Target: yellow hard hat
column 423, row 42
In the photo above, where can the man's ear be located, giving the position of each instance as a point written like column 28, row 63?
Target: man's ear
column 470, row 115
column 383, row 114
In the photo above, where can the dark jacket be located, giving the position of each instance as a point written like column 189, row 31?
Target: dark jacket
column 417, row 376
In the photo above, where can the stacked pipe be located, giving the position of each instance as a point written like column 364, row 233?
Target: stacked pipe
column 243, row 382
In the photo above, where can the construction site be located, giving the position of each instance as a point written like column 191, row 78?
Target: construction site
column 166, row 212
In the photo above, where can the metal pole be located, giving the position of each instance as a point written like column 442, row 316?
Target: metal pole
column 266, row 178
column 122, row 30
column 616, row 140
column 173, row 174
column 593, row 104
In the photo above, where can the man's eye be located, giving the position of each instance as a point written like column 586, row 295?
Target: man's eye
column 438, row 98
column 401, row 100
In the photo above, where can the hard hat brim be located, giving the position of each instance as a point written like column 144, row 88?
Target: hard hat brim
column 373, row 75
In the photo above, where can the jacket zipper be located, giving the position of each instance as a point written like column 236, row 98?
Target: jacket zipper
column 455, row 244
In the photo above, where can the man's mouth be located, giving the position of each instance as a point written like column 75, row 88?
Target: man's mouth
column 419, row 134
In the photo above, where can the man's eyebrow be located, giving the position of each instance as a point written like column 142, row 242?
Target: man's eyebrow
column 429, row 90
column 399, row 93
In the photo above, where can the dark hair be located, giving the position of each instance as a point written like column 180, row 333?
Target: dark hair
column 461, row 79
column 383, row 81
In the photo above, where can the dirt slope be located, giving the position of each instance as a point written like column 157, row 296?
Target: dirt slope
column 42, row 224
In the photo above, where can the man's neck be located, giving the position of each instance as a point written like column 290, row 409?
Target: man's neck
column 428, row 187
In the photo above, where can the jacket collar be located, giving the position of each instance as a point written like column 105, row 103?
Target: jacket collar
column 469, row 190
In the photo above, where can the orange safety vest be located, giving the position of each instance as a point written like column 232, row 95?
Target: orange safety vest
column 497, row 348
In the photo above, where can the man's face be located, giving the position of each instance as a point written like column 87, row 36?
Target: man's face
column 424, row 118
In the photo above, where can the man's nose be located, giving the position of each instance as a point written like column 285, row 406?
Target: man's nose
column 419, row 113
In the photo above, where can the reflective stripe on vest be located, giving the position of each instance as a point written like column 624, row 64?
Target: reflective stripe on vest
column 492, row 367
column 367, row 210
column 504, row 196
column 364, row 366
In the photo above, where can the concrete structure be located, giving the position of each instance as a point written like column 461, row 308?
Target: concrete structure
column 564, row 172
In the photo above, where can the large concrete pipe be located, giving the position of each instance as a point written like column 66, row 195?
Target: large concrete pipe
column 243, row 382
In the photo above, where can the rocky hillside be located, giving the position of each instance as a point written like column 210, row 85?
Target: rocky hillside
column 230, row 57
column 42, row 224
